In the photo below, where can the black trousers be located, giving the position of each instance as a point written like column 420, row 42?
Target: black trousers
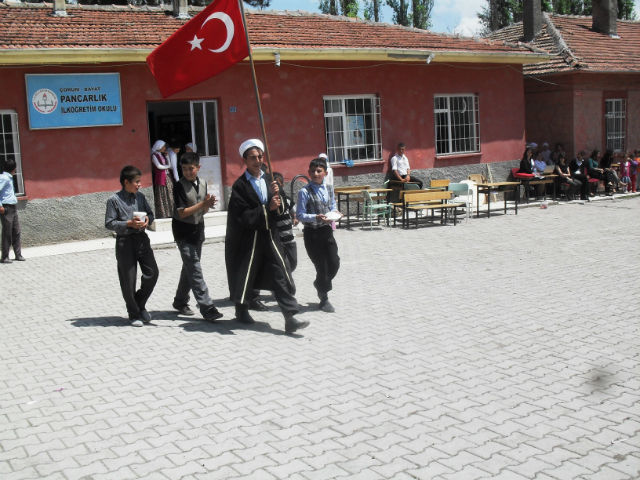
column 10, row 231
column 584, row 188
column 290, row 256
column 574, row 184
column 132, row 250
column 322, row 249
column 414, row 179
column 282, row 289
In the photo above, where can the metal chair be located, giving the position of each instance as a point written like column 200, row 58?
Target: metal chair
column 378, row 209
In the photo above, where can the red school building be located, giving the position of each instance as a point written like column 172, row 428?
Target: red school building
column 351, row 88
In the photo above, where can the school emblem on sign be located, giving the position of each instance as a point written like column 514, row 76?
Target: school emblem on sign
column 45, row 101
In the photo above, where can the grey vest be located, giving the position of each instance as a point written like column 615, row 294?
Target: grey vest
column 192, row 199
column 316, row 206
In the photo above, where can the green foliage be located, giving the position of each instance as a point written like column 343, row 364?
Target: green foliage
column 371, row 10
column 421, row 15
column 625, row 10
column 400, row 12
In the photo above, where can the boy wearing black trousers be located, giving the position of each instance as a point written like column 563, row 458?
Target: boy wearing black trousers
column 191, row 203
column 132, row 244
column 315, row 201
column 253, row 253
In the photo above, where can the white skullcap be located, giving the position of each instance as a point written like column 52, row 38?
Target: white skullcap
column 545, row 144
column 254, row 142
column 533, row 144
column 192, row 146
column 323, row 155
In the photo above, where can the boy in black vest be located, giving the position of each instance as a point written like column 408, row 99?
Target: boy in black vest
column 191, row 203
column 315, row 201
column 132, row 244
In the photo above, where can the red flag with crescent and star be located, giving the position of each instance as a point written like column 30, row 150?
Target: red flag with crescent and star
column 205, row 46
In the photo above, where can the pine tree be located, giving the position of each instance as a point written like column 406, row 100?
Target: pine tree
column 625, row 10
column 421, row 15
column 372, row 10
column 400, row 12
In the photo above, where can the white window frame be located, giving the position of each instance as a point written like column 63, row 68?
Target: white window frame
column 19, row 180
column 204, row 150
column 376, row 114
column 475, row 127
column 615, row 118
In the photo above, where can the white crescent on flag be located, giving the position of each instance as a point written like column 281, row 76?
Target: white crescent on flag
column 226, row 19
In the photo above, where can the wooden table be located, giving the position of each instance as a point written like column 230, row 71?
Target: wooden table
column 542, row 180
column 347, row 192
column 496, row 187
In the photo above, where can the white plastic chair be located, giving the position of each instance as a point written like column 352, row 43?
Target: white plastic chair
column 462, row 194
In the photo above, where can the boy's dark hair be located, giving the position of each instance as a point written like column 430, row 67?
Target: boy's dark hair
column 278, row 177
column 401, row 145
column 559, row 145
column 318, row 162
column 190, row 158
column 9, row 165
column 129, row 173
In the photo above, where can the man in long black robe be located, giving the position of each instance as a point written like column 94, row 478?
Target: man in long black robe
column 253, row 252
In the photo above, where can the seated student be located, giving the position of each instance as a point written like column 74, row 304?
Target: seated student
column 526, row 164
column 191, row 202
column 539, row 164
column 314, row 202
column 400, row 167
column 253, row 253
column 546, row 154
column 562, row 170
column 594, row 170
column 577, row 169
column 610, row 173
column 132, row 244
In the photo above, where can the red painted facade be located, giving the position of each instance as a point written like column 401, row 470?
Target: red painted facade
column 66, row 162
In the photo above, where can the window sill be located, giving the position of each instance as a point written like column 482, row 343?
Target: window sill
column 340, row 166
column 22, row 198
column 453, row 156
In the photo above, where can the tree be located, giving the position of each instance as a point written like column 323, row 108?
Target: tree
column 400, row 12
column 372, row 10
column 349, row 8
column 328, row 7
column 625, row 10
column 421, row 15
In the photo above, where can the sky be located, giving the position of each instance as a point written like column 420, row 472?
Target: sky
column 449, row 16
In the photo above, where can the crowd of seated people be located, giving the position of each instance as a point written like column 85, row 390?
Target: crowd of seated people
column 616, row 170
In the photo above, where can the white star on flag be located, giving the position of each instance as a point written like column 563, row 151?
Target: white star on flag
column 195, row 43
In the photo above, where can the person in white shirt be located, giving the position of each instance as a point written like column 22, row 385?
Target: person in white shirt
column 546, row 154
column 400, row 167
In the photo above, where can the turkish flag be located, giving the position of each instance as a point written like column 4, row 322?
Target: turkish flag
column 205, row 46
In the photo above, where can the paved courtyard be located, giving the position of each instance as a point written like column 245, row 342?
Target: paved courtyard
column 503, row 348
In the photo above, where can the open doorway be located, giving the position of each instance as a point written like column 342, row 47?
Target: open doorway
column 191, row 122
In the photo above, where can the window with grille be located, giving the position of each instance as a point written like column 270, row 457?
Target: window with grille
column 457, row 124
column 10, row 146
column 615, row 118
column 352, row 126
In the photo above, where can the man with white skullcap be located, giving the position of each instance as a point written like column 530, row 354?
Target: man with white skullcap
column 253, row 253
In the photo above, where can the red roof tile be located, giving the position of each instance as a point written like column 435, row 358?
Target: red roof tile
column 583, row 48
column 33, row 26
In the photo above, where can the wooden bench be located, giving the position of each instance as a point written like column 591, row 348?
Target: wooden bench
column 434, row 201
column 400, row 204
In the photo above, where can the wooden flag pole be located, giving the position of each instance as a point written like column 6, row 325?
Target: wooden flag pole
column 255, row 85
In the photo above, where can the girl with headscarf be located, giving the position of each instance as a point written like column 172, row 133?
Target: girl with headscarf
column 162, row 184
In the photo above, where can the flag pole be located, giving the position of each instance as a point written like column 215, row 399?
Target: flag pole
column 255, row 85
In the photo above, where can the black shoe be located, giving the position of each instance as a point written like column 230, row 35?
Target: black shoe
column 243, row 316
column 258, row 306
column 20, row 258
column 6, row 260
column 212, row 315
column 291, row 324
column 325, row 306
column 184, row 310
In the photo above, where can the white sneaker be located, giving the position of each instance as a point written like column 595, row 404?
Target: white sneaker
column 136, row 323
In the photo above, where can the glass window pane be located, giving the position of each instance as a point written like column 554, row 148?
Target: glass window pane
column 6, row 123
column 212, row 136
column 198, row 127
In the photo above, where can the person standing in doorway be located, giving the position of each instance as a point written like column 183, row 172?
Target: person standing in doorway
column 162, row 188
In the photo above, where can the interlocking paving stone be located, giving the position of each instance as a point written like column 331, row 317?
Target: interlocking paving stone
column 500, row 348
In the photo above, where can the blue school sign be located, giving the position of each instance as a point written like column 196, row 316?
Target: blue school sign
column 71, row 101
